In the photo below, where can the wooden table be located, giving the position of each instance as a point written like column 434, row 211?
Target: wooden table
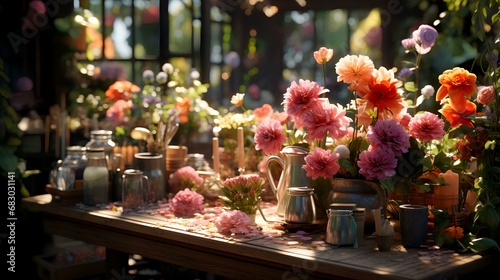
column 265, row 255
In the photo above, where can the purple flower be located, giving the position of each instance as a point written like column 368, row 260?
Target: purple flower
column 377, row 164
column 425, row 37
column 151, row 99
column 390, row 136
column 405, row 72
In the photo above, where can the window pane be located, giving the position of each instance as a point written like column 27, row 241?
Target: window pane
column 215, row 42
column 215, row 91
column 297, row 57
column 147, row 31
column 181, row 25
column 366, row 33
column 92, row 36
column 117, row 29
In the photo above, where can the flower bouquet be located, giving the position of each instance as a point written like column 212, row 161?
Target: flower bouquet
column 242, row 193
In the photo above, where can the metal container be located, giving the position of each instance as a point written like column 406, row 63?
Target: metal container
column 301, row 207
column 341, row 228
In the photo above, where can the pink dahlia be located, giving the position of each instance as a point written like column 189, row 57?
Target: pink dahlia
column 405, row 120
column 390, row 136
column 233, row 221
column 377, row 164
column 300, row 97
column 187, row 203
column 117, row 112
column 269, row 136
column 325, row 117
column 184, row 177
column 426, row 127
column 321, row 163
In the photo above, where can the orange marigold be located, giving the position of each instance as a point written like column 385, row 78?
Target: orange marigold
column 458, row 84
column 456, row 118
column 183, row 105
column 453, row 232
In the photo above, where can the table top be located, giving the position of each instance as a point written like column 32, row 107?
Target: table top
column 266, row 253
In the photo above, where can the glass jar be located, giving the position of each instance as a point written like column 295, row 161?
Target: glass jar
column 134, row 189
column 76, row 160
column 95, row 178
column 151, row 166
column 101, row 139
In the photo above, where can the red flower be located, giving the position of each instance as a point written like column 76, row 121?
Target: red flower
column 382, row 93
column 121, row 90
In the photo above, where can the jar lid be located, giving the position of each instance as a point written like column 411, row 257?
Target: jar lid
column 300, row 191
column 133, row 172
column 95, row 152
column 75, row 149
column 340, row 212
column 101, row 132
column 342, row 206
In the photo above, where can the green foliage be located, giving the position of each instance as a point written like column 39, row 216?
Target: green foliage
column 10, row 134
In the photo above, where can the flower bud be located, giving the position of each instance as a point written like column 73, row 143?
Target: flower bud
column 485, row 95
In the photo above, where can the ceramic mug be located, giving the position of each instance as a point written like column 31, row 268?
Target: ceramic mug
column 413, row 222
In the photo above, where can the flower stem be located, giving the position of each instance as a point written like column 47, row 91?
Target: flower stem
column 324, row 78
column 417, row 65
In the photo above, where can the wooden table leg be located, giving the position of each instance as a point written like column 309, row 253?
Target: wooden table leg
column 116, row 264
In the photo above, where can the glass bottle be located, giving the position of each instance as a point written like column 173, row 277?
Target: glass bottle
column 95, row 178
column 101, row 139
column 76, row 160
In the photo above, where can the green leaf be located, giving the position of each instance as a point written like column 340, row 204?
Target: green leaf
column 488, row 215
column 8, row 160
column 479, row 245
column 30, row 172
column 24, row 191
column 440, row 239
column 410, row 86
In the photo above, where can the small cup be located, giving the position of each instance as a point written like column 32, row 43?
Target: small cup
column 384, row 242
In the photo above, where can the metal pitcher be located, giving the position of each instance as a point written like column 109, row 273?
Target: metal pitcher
column 291, row 160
